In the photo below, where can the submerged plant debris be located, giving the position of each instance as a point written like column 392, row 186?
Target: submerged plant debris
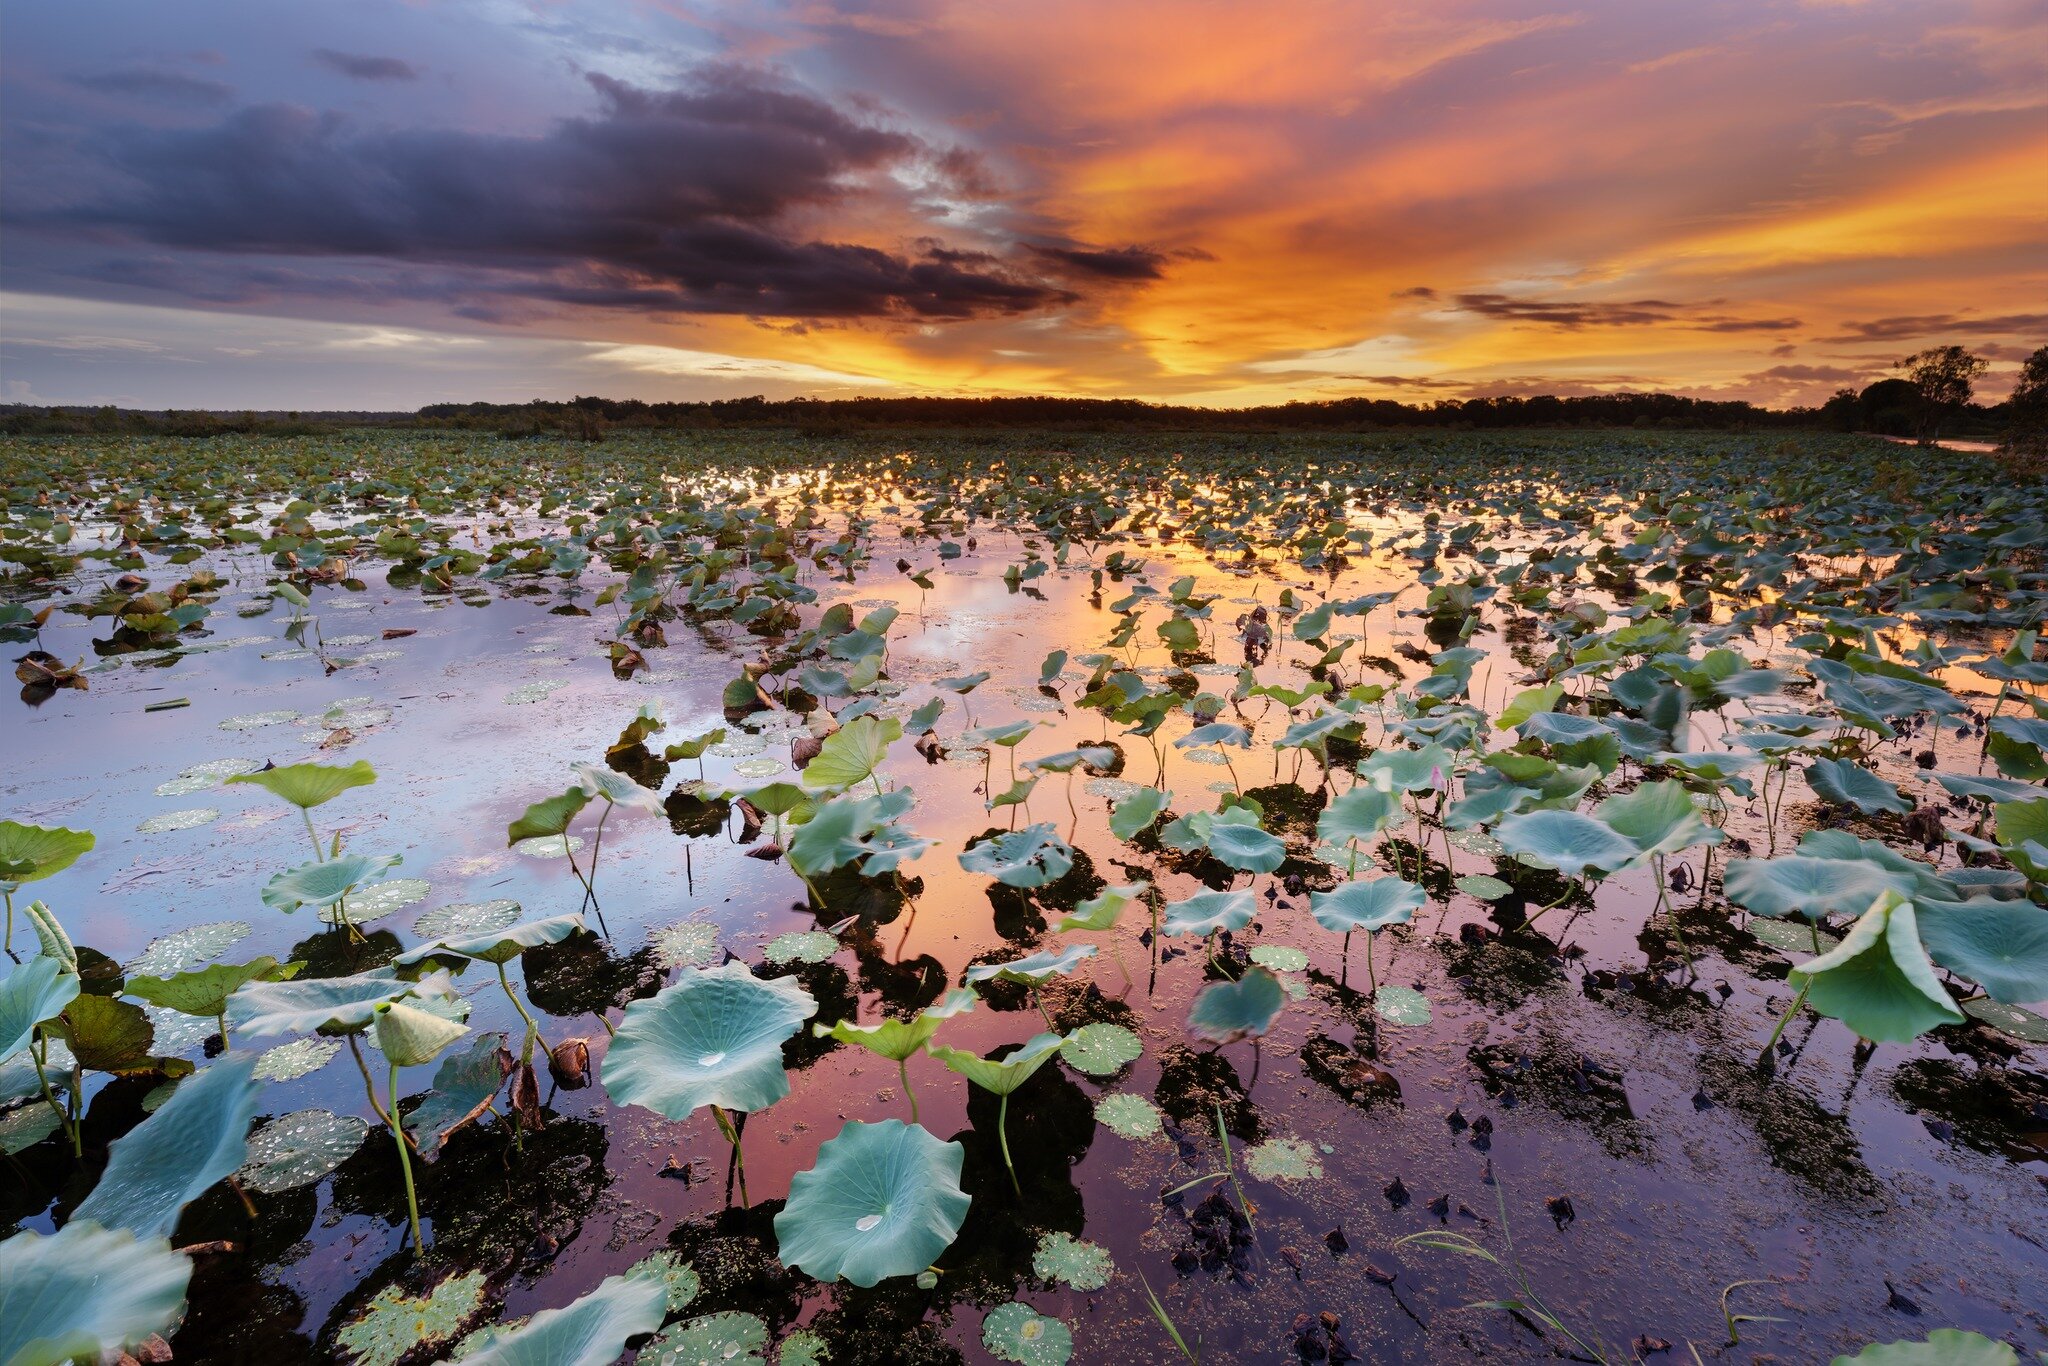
column 754, row 897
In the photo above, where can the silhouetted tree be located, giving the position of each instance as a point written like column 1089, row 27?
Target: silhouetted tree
column 1944, row 377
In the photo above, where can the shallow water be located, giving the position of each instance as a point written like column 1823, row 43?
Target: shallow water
column 1625, row 1089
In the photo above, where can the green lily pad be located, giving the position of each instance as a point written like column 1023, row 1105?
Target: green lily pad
column 378, row 900
column 1279, row 957
column 1283, row 1159
column 1401, row 1006
column 2020, row 1024
column 803, row 1347
column 396, row 1324
column 1017, row 1332
column 548, row 846
column 730, row 1338
column 677, row 1277
column 1129, row 1116
column 186, row 948
column 687, row 944
column 1787, row 937
column 883, row 1200
column 1483, row 887
column 298, row 1149
column 1942, row 1347
column 189, row 819
column 1101, row 1050
column 85, row 1290
column 299, row 1058
column 1072, row 1261
column 458, row 919
column 713, row 1038
column 801, row 946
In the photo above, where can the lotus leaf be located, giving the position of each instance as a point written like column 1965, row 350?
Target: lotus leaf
column 1017, row 1332
column 30, row 853
column 85, row 1291
column 322, row 884
column 1847, row 783
column 592, row 1331
column 1942, row 1347
column 1101, row 1050
column 494, row 946
column 1100, row 912
column 36, row 991
column 1209, row 912
column 1370, row 905
column 331, row 1005
column 1033, row 968
column 169, row 1160
column 1135, row 813
column 1245, row 1009
column 1000, row 1075
column 884, row 1200
column 464, row 1086
column 1878, row 980
column 309, row 785
column 300, row 1148
column 1026, row 858
column 899, row 1039
column 408, row 1036
column 1567, row 841
column 2002, row 946
column 714, row 1037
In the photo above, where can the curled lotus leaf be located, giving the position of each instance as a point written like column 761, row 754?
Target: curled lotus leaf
column 1797, row 884
column 1847, row 783
column 1005, row 1074
column 714, row 1037
column 494, row 946
column 615, row 788
column 1878, row 980
column 1135, row 813
column 1034, row 968
column 1568, row 841
column 36, row 991
column 883, row 1200
column 330, row 1005
column 1026, row 858
column 1101, row 912
column 899, row 1039
column 411, row 1037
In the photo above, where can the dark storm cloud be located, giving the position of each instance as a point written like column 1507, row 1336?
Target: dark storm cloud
column 360, row 67
column 147, row 83
column 1573, row 314
column 662, row 200
column 1118, row 263
column 1933, row 324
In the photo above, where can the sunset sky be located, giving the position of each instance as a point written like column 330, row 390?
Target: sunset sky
column 378, row 205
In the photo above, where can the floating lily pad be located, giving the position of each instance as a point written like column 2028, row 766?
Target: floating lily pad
column 803, row 1348
column 1484, row 887
column 2020, row 1024
column 712, row 1038
column 685, row 945
column 1283, row 1159
column 397, row 1324
column 803, row 946
column 300, row 1148
column 727, row 1339
column 548, row 846
column 1017, row 1332
column 187, row 948
column 379, row 899
column 1072, row 1261
column 25, row 1126
column 535, row 691
column 1789, row 936
column 189, row 819
column 1129, row 1116
column 678, row 1277
column 1401, row 1006
column 1279, row 957
column 258, row 720
column 1101, row 1050
column 460, row 919
column 301, row 1057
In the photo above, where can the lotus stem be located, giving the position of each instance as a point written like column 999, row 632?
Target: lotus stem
column 9, row 945
column 312, row 834
column 1783, row 1020
column 739, row 1159
column 370, row 1088
column 1372, row 976
column 532, row 1029
column 903, row 1071
column 1003, row 1139
column 412, row 1199
column 39, row 1055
